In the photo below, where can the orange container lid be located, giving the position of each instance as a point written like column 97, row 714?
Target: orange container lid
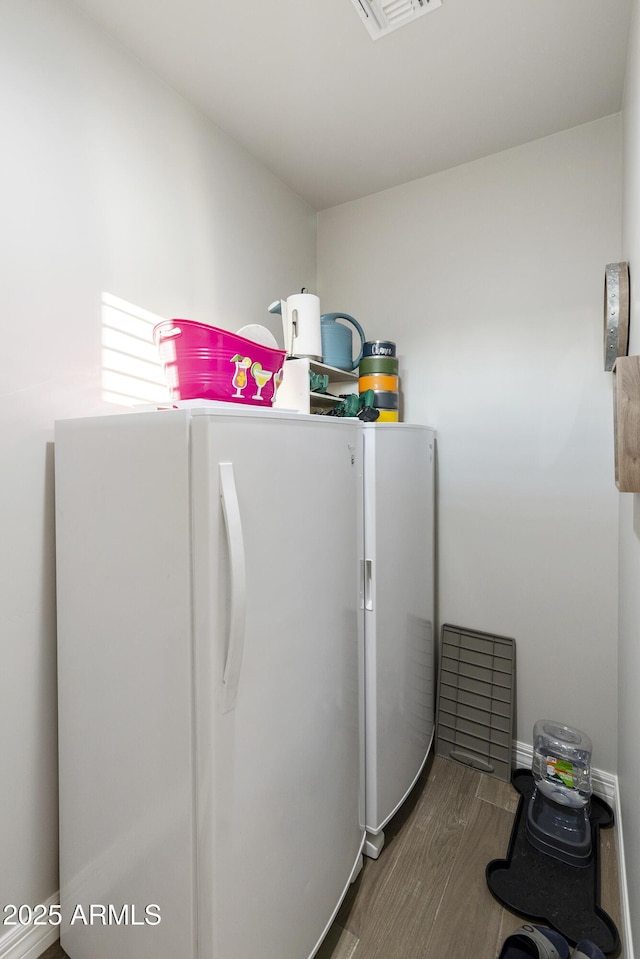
column 378, row 381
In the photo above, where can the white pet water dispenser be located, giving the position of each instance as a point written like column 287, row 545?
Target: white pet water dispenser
column 558, row 811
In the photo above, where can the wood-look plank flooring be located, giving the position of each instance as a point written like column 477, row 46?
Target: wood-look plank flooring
column 426, row 896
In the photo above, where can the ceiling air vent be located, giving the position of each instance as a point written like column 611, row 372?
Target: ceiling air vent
column 382, row 16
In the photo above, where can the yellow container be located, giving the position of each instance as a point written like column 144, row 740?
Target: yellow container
column 378, row 381
column 387, row 416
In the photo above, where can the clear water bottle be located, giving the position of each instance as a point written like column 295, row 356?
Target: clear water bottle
column 562, row 763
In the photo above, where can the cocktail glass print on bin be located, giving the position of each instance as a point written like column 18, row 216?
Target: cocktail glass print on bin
column 239, row 379
column 261, row 377
column 205, row 362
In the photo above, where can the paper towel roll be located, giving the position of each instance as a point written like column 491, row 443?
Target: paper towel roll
column 301, row 325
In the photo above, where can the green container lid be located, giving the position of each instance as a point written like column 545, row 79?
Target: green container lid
column 378, row 364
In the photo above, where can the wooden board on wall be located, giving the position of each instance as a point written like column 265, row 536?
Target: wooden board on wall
column 626, row 423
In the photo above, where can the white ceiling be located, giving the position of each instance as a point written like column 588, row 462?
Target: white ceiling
column 337, row 115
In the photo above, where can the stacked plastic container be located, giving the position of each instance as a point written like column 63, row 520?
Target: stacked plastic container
column 378, row 371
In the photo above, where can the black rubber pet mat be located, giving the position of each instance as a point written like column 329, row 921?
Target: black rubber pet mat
column 537, row 887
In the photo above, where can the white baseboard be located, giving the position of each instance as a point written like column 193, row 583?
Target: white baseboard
column 29, row 941
column 605, row 785
column 627, row 937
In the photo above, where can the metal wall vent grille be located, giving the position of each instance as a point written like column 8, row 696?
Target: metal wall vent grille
column 476, row 696
column 382, row 16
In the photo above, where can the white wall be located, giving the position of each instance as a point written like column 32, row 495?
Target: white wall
column 490, row 279
column 629, row 651
column 108, row 182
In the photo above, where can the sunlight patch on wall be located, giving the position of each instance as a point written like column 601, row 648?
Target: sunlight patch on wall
column 132, row 373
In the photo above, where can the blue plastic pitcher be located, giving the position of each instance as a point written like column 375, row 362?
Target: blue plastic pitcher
column 337, row 341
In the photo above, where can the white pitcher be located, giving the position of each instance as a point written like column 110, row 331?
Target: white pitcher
column 301, row 325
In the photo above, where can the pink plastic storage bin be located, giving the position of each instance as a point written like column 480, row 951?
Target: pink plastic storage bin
column 204, row 362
